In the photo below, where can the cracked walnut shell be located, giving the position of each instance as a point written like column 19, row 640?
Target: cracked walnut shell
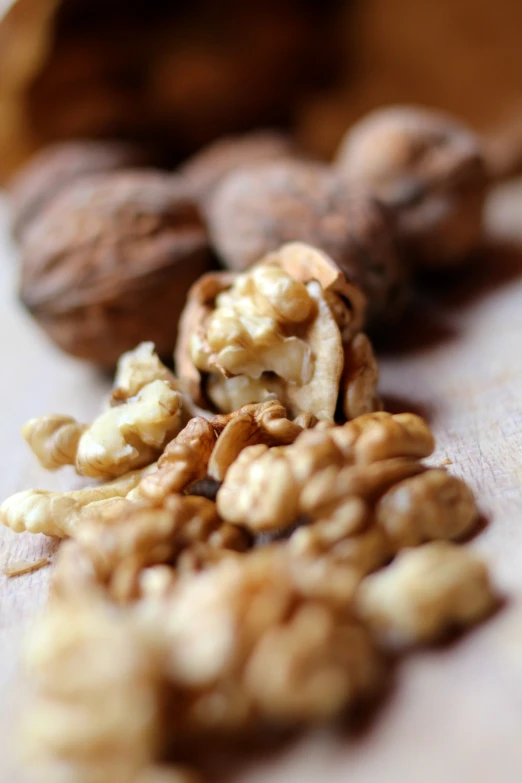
column 277, row 331
column 109, row 262
column 257, row 208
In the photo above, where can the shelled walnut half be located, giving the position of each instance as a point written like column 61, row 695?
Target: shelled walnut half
column 279, row 330
column 147, row 409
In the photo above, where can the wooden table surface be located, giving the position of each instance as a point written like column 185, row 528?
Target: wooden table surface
column 453, row 714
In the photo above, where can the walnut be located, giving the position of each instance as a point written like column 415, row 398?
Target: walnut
column 209, row 446
column 57, row 166
column 121, row 439
column 257, row 208
column 148, row 407
column 205, row 170
column 109, row 262
column 260, row 490
column 429, row 170
column 318, row 665
column 131, row 435
column 136, row 369
column 381, row 435
column 359, row 379
column 228, row 626
column 59, row 513
column 142, row 536
column 326, row 492
column 184, row 461
column 323, row 473
column 53, row 439
column 282, row 323
column 424, row 593
column 81, row 656
column 429, row 506
column 264, row 423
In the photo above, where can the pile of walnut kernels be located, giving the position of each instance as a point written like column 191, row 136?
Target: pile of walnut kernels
column 260, row 537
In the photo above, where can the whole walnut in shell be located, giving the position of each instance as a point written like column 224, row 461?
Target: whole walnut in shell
column 259, row 207
column 109, row 262
column 430, row 170
column 56, row 166
column 205, row 170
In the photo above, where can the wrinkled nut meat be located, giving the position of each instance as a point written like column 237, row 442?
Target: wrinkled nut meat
column 210, row 446
column 57, row 166
column 432, row 505
column 277, row 331
column 228, row 626
column 424, row 593
column 205, row 170
column 258, row 208
column 79, row 658
column 109, row 262
column 429, row 170
column 321, row 474
column 141, row 537
column 121, row 439
column 136, row 369
column 146, row 412
column 59, row 513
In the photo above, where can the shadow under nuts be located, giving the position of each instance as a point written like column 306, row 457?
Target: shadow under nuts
column 259, row 207
column 109, row 262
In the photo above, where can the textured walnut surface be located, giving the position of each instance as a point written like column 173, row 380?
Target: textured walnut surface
column 430, row 170
column 205, row 170
column 55, row 167
column 114, row 255
column 257, row 208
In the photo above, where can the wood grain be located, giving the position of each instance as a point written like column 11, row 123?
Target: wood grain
column 453, row 714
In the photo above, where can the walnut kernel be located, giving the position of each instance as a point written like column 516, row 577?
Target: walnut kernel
column 424, row 593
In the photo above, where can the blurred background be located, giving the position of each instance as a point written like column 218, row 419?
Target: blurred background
column 179, row 73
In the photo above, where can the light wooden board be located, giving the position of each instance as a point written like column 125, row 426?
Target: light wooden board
column 454, row 714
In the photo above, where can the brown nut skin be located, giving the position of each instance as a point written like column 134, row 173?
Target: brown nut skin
column 205, row 170
column 109, row 263
column 57, row 166
column 430, row 171
column 259, row 207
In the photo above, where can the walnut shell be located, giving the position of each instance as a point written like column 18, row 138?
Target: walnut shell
column 430, row 170
column 56, row 166
column 109, row 262
column 259, row 207
column 207, row 168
